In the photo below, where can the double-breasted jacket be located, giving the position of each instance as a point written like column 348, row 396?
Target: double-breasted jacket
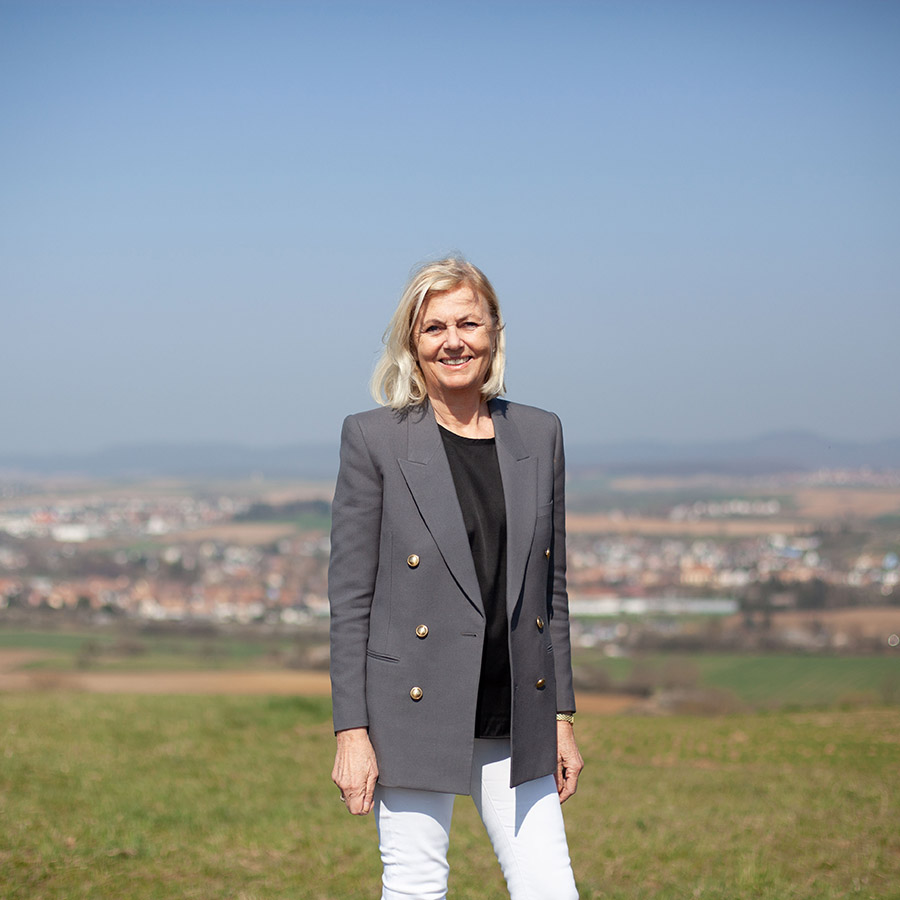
column 407, row 621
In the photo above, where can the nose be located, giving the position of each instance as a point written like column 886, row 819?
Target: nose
column 452, row 337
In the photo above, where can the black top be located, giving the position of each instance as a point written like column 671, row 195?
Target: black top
column 476, row 475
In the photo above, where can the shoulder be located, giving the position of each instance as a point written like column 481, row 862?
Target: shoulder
column 377, row 427
column 526, row 417
column 379, row 417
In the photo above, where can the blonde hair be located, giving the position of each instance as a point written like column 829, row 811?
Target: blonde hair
column 397, row 380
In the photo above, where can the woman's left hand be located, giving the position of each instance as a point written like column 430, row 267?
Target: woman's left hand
column 568, row 761
column 355, row 770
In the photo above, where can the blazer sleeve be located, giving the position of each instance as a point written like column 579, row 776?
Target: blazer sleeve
column 559, row 601
column 352, row 569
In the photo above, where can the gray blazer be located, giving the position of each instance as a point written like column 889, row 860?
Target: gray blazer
column 407, row 622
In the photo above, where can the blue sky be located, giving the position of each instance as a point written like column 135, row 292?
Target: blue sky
column 208, row 211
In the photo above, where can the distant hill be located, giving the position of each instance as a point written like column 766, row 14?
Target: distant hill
column 198, row 460
column 776, row 452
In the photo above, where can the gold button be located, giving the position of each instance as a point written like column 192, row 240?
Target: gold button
column 412, row 560
column 416, row 694
column 541, row 683
column 540, row 623
column 547, row 553
column 422, row 631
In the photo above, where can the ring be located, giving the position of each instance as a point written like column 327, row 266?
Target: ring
column 343, row 799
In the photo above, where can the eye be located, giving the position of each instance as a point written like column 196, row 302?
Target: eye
column 432, row 329
column 469, row 326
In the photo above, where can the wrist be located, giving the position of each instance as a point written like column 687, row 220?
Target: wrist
column 566, row 717
column 350, row 735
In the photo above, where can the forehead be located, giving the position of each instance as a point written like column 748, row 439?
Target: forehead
column 458, row 302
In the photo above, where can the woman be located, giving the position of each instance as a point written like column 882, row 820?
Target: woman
column 450, row 660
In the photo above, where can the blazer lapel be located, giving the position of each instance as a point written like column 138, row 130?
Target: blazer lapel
column 519, row 473
column 428, row 476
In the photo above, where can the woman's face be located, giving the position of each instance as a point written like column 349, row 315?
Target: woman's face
column 453, row 337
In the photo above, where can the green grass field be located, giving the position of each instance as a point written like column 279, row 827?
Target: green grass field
column 230, row 797
column 765, row 681
column 111, row 650
column 761, row 681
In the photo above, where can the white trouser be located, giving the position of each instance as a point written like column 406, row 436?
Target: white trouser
column 525, row 825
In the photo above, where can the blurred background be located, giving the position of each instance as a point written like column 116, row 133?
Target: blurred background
column 689, row 211
column 208, row 211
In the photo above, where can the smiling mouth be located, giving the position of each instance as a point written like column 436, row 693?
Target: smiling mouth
column 456, row 361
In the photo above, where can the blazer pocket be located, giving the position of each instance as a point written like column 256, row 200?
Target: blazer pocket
column 371, row 654
column 545, row 509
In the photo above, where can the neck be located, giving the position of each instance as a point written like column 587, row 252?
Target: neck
column 468, row 416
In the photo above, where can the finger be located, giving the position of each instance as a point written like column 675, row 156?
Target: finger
column 355, row 803
column 370, row 791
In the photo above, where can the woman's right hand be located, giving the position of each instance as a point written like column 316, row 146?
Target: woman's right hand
column 355, row 769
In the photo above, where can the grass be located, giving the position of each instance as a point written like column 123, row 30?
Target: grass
column 112, row 651
column 64, row 642
column 801, row 680
column 230, row 797
column 767, row 681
